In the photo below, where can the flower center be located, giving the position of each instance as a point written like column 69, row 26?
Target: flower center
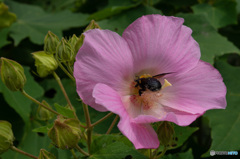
column 146, row 91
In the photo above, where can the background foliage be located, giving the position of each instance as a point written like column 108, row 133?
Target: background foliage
column 23, row 25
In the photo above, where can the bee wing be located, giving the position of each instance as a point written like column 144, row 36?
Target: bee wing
column 161, row 75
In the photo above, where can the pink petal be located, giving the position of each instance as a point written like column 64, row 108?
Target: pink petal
column 196, row 91
column 161, row 44
column 103, row 58
column 141, row 135
column 175, row 116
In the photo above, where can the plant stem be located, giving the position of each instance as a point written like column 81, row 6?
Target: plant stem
column 22, row 152
column 73, row 153
column 89, row 128
column 65, row 71
column 102, row 119
column 64, row 93
column 150, row 154
column 163, row 152
column 39, row 103
column 112, row 125
column 82, row 151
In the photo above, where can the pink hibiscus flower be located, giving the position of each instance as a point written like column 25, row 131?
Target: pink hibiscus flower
column 112, row 74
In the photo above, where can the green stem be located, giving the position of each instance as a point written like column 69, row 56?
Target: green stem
column 22, row 152
column 64, row 93
column 73, row 153
column 150, row 154
column 82, row 151
column 89, row 128
column 65, row 71
column 163, row 152
column 102, row 119
column 112, row 125
column 39, row 103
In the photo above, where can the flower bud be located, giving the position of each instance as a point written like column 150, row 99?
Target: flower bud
column 7, row 18
column 43, row 113
column 45, row 63
column 65, row 52
column 12, row 74
column 65, row 133
column 92, row 25
column 50, row 43
column 73, row 40
column 45, row 155
column 6, row 136
column 165, row 133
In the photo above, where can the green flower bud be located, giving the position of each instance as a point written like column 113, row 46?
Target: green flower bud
column 6, row 17
column 45, row 63
column 73, row 40
column 65, row 52
column 50, row 43
column 43, row 113
column 6, row 136
column 45, row 155
column 65, row 133
column 165, row 133
column 12, row 74
column 92, row 25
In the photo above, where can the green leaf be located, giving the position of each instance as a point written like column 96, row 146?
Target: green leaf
column 70, row 87
column 110, row 146
column 114, row 8
column 225, row 123
column 238, row 6
column 184, row 155
column 43, row 129
column 120, row 22
column 17, row 101
column 3, row 37
column 220, row 13
column 64, row 111
column 34, row 23
column 211, row 43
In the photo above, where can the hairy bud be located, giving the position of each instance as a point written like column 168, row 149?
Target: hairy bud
column 65, row 133
column 12, row 74
column 6, row 136
column 165, row 133
column 43, row 113
column 50, row 43
column 45, row 63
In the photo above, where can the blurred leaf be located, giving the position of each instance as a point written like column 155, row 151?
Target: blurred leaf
column 238, row 6
column 220, row 13
column 225, row 123
column 184, row 155
column 43, row 129
column 110, row 146
column 211, row 43
column 17, row 101
column 70, row 87
column 34, row 23
column 114, row 7
column 3, row 37
column 120, row 22
column 6, row 17
column 64, row 111
column 31, row 142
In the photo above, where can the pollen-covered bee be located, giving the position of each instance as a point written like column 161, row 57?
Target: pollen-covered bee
column 149, row 82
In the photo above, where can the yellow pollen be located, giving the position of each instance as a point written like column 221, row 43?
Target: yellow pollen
column 166, row 84
column 145, row 76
